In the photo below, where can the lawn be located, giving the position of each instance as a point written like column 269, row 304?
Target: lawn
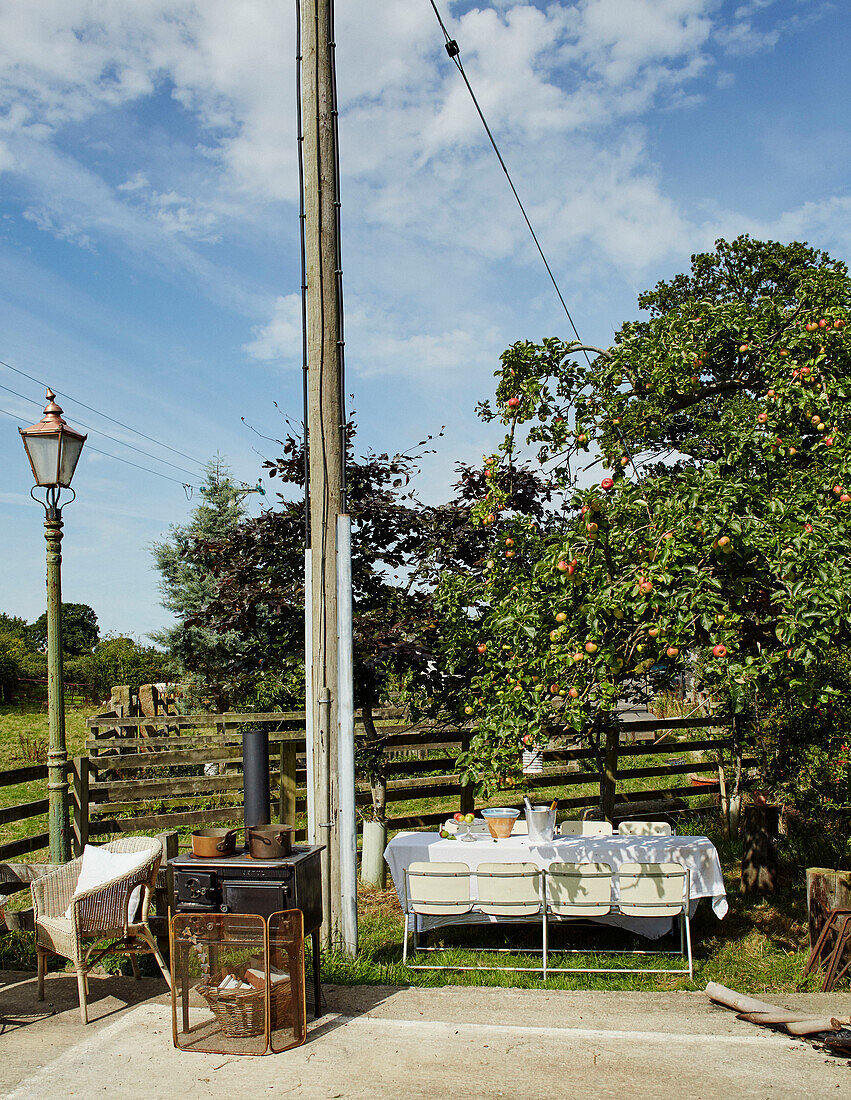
column 23, row 741
column 760, row 946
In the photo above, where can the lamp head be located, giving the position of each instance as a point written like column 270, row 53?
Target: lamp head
column 52, row 447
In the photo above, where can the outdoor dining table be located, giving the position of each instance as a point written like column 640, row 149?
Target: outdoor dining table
column 696, row 853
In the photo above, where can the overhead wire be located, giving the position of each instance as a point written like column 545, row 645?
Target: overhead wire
column 116, row 458
column 454, row 51
column 106, row 416
column 106, row 435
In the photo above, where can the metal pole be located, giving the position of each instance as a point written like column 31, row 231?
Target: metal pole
column 327, row 832
column 347, row 823
column 57, row 756
column 309, row 725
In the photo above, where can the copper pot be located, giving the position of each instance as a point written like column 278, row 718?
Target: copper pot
column 270, row 841
column 212, row 843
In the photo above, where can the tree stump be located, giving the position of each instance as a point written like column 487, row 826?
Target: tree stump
column 759, row 849
column 826, row 889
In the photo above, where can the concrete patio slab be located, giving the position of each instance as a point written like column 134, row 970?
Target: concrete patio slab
column 385, row 1042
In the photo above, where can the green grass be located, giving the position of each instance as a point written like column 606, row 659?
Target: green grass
column 760, row 947
column 23, row 741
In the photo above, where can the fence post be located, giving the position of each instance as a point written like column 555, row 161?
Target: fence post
column 288, row 783
column 609, row 776
column 468, row 797
column 80, row 798
column 164, row 890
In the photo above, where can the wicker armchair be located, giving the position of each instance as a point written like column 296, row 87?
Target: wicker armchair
column 97, row 915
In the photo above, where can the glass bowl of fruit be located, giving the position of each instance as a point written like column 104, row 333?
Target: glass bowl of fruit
column 459, row 827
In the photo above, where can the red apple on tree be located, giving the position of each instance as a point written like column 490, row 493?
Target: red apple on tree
column 513, row 402
column 482, row 648
column 607, row 484
column 719, row 650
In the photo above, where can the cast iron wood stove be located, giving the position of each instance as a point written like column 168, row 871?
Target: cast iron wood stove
column 240, row 884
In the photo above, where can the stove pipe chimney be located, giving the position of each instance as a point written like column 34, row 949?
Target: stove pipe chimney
column 255, row 777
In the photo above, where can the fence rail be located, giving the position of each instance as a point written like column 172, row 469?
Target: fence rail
column 172, row 772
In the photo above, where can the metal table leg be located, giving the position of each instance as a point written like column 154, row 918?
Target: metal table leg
column 317, row 986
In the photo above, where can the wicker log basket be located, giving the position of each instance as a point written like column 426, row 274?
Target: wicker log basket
column 241, row 1013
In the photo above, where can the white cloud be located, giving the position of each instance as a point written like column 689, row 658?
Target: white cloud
column 564, row 87
column 280, row 338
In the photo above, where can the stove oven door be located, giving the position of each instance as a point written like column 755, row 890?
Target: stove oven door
column 264, row 899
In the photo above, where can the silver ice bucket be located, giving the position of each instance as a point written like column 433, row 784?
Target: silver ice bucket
column 541, row 822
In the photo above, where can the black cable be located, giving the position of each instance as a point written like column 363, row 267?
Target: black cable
column 97, row 412
column 301, row 218
column 341, row 341
column 106, row 435
column 454, row 52
column 115, row 458
column 323, row 633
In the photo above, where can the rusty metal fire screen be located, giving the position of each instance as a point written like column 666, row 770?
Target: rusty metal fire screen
column 237, row 982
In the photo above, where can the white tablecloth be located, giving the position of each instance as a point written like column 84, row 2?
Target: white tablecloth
column 696, row 853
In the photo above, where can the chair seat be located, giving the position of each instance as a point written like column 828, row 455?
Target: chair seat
column 57, row 933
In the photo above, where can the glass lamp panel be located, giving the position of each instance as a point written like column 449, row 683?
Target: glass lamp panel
column 72, row 447
column 43, row 451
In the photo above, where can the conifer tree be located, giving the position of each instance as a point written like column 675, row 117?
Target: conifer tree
column 187, row 584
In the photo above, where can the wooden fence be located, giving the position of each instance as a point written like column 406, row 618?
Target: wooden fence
column 146, row 774
column 23, row 811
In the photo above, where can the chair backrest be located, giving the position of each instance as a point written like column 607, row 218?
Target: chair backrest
column 509, row 889
column 579, row 889
column 572, row 827
column 645, row 828
column 438, row 889
column 652, row 889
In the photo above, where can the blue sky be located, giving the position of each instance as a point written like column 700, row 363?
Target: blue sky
column 148, row 220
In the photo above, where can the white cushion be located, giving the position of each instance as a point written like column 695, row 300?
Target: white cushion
column 100, row 865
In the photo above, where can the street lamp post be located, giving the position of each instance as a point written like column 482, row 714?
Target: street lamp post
column 54, row 450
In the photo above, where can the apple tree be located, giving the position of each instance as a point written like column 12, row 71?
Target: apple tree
column 717, row 431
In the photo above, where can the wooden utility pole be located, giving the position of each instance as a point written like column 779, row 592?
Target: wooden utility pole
column 325, row 417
